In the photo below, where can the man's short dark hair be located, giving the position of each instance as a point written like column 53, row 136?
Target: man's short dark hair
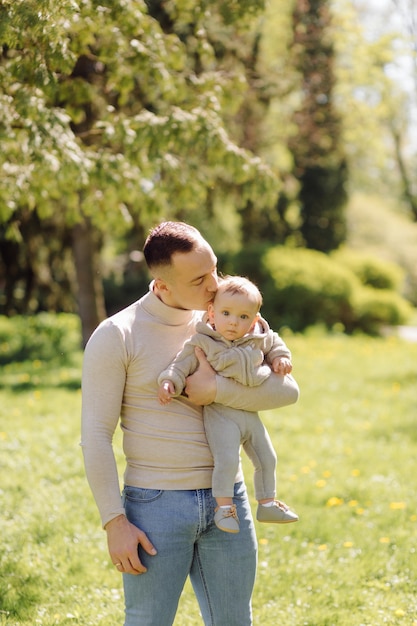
column 166, row 239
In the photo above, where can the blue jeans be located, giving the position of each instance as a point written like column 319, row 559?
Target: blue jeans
column 221, row 565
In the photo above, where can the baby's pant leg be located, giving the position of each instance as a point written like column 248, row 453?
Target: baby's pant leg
column 224, row 436
column 259, row 448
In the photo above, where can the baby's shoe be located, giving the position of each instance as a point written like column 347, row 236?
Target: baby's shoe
column 278, row 513
column 226, row 519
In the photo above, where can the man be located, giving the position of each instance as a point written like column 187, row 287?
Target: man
column 163, row 530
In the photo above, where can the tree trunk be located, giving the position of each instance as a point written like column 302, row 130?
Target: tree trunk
column 319, row 162
column 90, row 296
column 408, row 194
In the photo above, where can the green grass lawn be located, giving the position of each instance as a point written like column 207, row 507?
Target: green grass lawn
column 347, row 459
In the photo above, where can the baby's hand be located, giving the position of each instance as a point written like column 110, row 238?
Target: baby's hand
column 282, row 365
column 165, row 392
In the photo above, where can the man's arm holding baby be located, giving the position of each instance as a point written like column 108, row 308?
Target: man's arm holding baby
column 205, row 387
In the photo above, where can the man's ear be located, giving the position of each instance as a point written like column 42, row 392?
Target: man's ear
column 161, row 285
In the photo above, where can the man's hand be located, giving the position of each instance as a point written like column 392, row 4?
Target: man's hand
column 200, row 387
column 123, row 539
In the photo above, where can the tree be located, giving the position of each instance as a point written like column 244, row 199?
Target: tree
column 295, row 124
column 114, row 117
column 407, row 170
column 376, row 93
column 319, row 163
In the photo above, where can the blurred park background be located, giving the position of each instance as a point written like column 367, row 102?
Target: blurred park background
column 284, row 130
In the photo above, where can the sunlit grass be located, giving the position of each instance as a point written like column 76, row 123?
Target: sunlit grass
column 346, row 453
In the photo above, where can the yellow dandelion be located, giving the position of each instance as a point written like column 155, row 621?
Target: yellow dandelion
column 306, row 469
column 355, row 472
column 399, row 613
column 293, row 478
column 327, row 474
column 3, row 436
column 384, row 540
column 396, row 387
column 413, row 518
column 353, row 503
column 397, row 506
column 263, row 541
column 37, row 394
column 360, row 511
column 322, row 547
column 334, row 501
column 348, row 544
column 37, row 364
column 320, row 483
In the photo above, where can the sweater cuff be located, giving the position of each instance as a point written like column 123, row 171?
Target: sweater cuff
column 106, row 518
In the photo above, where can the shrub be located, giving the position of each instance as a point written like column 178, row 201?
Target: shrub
column 303, row 288
column 380, row 226
column 45, row 337
column 308, row 288
column 374, row 308
column 370, row 270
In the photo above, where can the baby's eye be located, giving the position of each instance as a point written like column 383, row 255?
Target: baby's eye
column 244, row 316
column 225, row 313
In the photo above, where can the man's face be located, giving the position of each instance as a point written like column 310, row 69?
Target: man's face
column 192, row 279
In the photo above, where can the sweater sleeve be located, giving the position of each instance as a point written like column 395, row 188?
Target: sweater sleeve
column 103, row 381
column 275, row 392
column 184, row 364
column 277, row 348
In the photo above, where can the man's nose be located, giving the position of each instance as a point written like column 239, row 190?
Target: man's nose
column 213, row 283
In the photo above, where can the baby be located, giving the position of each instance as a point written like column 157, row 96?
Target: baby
column 238, row 344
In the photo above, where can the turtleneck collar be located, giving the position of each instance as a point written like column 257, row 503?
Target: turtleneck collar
column 168, row 315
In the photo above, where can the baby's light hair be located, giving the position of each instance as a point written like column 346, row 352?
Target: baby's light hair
column 240, row 285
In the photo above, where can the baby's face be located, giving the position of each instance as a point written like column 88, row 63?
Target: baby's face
column 233, row 315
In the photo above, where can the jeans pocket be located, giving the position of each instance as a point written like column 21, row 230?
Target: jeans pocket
column 140, row 495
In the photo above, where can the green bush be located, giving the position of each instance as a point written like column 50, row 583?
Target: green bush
column 303, row 288
column 45, row 337
column 374, row 308
column 308, row 289
column 371, row 270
